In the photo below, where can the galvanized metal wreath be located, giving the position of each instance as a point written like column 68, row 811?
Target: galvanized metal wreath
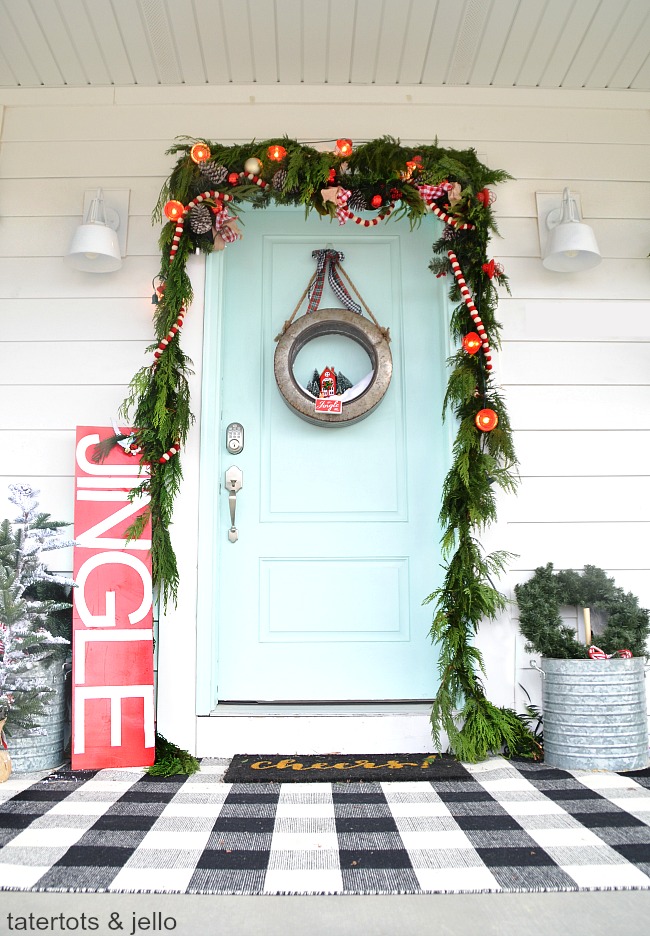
column 626, row 625
column 366, row 185
column 333, row 322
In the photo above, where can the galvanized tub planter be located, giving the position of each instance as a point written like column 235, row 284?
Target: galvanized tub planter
column 43, row 750
column 595, row 714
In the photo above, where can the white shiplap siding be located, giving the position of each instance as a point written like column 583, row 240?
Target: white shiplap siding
column 575, row 360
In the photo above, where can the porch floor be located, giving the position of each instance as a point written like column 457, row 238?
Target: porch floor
column 525, row 838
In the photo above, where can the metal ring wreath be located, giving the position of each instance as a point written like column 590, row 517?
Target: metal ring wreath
column 333, row 322
column 627, row 626
column 366, row 184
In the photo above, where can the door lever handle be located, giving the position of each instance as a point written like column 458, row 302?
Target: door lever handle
column 234, row 483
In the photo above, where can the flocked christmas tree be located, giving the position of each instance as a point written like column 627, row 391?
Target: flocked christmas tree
column 29, row 607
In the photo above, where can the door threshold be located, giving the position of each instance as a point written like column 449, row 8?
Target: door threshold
column 344, row 728
column 293, row 709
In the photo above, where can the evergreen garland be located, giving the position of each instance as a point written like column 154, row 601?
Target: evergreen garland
column 540, row 598
column 172, row 760
column 159, row 404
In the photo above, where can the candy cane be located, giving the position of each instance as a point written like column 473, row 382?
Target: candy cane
column 469, row 302
column 449, row 219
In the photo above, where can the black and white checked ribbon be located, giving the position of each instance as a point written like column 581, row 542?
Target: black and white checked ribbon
column 329, row 259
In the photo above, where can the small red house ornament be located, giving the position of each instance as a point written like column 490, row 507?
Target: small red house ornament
column 328, row 382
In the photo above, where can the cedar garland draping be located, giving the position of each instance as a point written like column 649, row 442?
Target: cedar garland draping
column 387, row 175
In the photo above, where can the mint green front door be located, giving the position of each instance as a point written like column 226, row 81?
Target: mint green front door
column 320, row 597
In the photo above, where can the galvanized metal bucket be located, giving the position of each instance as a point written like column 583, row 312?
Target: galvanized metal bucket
column 595, row 714
column 30, row 752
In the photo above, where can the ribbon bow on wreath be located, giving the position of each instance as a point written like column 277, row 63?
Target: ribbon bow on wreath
column 328, row 259
column 225, row 229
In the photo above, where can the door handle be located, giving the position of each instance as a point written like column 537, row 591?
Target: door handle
column 234, row 483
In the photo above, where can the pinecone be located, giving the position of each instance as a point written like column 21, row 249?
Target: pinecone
column 278, row 180
column 213, row 173
column 357, row 201
column 448, row 233
column 200, row 219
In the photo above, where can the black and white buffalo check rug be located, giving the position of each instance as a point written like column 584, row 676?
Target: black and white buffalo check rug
column 507, row 827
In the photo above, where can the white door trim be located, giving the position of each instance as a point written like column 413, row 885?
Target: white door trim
column 209, row 514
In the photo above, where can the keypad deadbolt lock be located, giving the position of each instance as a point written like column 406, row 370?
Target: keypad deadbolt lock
column 235, row 438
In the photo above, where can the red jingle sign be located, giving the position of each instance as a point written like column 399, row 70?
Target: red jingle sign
column 113, row 722
column 328, row 405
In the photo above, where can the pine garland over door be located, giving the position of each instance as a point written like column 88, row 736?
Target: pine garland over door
column 385, row 180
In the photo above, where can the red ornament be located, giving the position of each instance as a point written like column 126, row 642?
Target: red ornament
column 376, row 201
column 200, row 152
column 471, row 343
column 233, row 178
column 486, row 197
column 174, row 210
column 332, row 176
column 486, row 420
column 276, row 153
column 491, row 269
column 395, row 194
column 343, row 147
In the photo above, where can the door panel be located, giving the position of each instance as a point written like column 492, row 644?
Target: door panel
column 338, row 543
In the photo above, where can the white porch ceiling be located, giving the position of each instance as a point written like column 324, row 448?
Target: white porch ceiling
column 592, row 44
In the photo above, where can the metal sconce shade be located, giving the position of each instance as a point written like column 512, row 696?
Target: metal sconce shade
column 571, row 245
column 95, row 247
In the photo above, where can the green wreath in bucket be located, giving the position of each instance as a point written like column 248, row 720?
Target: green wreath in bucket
column 623, row 624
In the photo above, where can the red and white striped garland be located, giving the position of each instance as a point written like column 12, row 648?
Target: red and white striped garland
column 220, row 197
column 253, row 178
column 343, row 212
column 365, row 222
column 173, row 331
column 469, row 302
column 174, row 450
column 449, row 219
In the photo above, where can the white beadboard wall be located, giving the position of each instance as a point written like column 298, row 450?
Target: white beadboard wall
column 575, row 358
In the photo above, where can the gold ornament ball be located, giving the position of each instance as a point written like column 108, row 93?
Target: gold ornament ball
column 253, row 165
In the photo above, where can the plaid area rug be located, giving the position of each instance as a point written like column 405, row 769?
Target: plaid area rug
column 509, row 827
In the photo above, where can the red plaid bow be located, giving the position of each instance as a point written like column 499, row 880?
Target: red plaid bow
column 221, row 226
column 429, row 193
column 342, row 198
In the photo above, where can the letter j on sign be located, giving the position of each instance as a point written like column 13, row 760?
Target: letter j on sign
column 113, row 723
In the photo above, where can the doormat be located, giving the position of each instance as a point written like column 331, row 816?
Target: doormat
column 329, row 768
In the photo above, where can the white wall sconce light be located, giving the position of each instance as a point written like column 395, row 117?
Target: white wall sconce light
column 568, row 245
column 98, row 245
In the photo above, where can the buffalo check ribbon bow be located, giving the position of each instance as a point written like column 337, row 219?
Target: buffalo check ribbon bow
column 327, row 260
column 225, row 230
column 429, row 193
